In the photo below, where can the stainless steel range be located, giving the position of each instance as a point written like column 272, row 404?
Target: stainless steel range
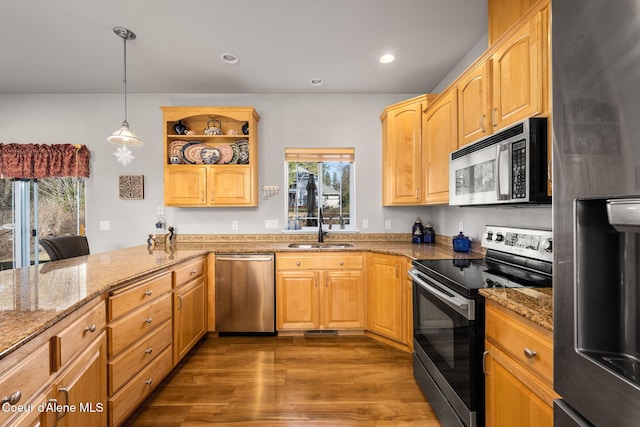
column 448, row 316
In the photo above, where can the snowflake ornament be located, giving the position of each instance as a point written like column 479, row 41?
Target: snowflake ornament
column 124, row 155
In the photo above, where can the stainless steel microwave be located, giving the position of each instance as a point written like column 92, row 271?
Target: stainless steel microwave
column 508, row 167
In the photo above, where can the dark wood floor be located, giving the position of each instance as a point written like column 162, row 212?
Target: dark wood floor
column 289, row 381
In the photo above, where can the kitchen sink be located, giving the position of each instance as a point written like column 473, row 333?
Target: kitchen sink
column 320, row 245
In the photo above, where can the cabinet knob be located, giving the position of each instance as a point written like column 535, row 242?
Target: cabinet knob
column 194, row 271
column 341, row 263
column 13, row 398
column 148, row 320
column 91, row 328
column 297, row 263
column 149, row 350
column 148, row 293
column 149, row 381
column 530, row 353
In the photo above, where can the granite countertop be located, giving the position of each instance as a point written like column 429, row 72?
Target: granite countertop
column 534, row 304
column 34, row 298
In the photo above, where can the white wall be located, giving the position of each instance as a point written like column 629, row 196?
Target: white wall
column 286, row 120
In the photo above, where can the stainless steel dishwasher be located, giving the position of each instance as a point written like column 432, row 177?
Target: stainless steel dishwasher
column 245, row 294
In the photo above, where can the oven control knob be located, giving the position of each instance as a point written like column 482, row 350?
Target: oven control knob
column 499, row 237
column 547, row 245
column 489, row 236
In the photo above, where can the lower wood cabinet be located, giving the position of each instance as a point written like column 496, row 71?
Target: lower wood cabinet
column 387, row 297
column 320, row 291
column 189, row 307
column 518, row 366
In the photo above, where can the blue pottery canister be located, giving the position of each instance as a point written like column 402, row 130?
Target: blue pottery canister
column 461, row 243
column 417, row 232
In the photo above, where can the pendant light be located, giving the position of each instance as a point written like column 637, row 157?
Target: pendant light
column 124, row 135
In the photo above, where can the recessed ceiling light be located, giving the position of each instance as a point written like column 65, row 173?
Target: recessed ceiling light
column 316, row 82
column 386, row 58
column 229, row 58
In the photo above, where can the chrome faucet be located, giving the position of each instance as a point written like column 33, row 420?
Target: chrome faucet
column 321, row 233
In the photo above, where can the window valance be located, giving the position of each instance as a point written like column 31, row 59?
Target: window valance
column 319, row 154
column 43, row 160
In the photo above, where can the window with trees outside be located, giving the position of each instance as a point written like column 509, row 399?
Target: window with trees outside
column 320, row 183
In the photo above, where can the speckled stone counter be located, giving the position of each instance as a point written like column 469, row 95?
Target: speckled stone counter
column 535, row 304
column 34, row 298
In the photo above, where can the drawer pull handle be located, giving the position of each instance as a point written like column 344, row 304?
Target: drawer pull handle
column 149, row 350
column 148, row 293
column 193, row 271
column 13, row 398
column 91, row 328
column 149, row 381
column 530, row 353
column 341, row 263
column 148, row 320
column 484, row 360
column 297, row 263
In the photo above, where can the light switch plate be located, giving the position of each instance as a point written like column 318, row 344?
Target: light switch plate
column 105, row 225
column 271, row 224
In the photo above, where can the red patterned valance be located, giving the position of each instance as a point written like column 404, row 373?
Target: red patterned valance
column 43, row 160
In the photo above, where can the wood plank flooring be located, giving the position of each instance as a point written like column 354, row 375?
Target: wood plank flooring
column 289, row 381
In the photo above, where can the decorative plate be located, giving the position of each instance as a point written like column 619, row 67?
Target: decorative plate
column 210, row 155
column 175, row 148
column 226, row 154
column 236, row 153
column 183, row 152
column 193, row 153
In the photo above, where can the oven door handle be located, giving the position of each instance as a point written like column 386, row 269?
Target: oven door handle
column 459, row 303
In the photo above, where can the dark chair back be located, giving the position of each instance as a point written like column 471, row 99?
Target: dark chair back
column 62, row 247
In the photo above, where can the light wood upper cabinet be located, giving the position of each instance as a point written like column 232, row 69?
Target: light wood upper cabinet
column 503, row 14
column 440, row 138
column 517, row 75
column 402, row 168
column 227, row 177
column 474, row 104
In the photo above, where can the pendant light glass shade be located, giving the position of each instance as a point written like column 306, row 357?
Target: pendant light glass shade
column 124, row 135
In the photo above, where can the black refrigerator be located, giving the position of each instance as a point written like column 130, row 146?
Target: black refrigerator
column 596, row 211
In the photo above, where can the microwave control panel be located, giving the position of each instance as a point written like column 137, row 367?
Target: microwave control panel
column 519, row 163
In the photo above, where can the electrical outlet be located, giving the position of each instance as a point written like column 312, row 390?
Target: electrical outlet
column 460, row 226
column 365, row 224
column 105, row 225
column 387, row 224
column 271, row 224
column 160, row 210
column 234, row 225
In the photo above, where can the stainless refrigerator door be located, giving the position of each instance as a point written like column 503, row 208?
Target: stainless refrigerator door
column 245, row 293
column 596, row 156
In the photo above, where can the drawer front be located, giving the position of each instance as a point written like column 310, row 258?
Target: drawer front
column 129, row 363
column 131, row 328
column 188, row 271
column 133, row 297
column 346, row 261
column 24, row 380
column 141, row 386
column 76, row 337
column 516, row 338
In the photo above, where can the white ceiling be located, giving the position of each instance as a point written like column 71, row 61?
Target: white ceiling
column 68, row 46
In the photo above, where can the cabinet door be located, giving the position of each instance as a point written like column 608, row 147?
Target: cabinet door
column 297, row 296
column 503, row 14
column 517, row 76
column 440, row 138
column 189, row 317
column 473, row 104
column 83, row 386
column 385, row 296
column 402, row 161
column 343, row 300
column 230, row 186
column 509, row 400
column 185, row 185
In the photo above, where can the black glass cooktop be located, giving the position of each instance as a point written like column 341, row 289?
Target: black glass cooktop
column 466, row 276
